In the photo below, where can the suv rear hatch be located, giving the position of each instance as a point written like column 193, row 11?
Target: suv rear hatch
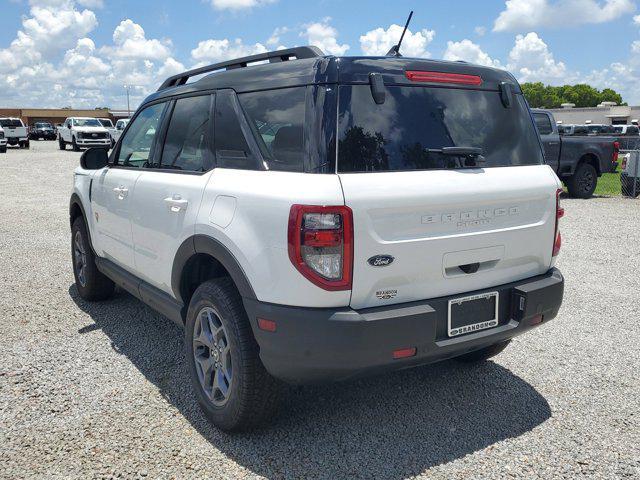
column 447, row 185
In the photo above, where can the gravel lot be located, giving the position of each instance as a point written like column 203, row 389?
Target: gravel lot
column 100, row 390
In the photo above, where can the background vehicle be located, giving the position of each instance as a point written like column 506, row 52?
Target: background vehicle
column 3, row 141
column 83, row 132
column 15, row 132
column 42, row 130
column 578, row 160
column 120, row 126
column 330, row 223
column 630, row 174
column 108, row 124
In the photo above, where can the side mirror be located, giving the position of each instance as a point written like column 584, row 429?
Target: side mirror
column 94, row 159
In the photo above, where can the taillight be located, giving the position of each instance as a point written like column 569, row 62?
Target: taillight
column 623, row 164
column 441, row 77
column 557, row 238
column 321, row 244
column 616, row 151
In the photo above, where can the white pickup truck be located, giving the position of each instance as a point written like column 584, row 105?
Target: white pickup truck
column 108, row 124
column 340, row 217
column 83, row 132
column 15, row 132
column 120, row 126
column 3, row 141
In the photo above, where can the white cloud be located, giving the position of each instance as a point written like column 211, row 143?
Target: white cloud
column 379, row 41
column 469, row 52
column 274, row 39
column 210, row 51
column 238, row 4
column 480, row 30
column 130, row 42
column 531, row 60
column 91, row 3
column 529, row 14
column 323, row 36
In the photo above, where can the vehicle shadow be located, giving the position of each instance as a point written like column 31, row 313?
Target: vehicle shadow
column 392, row 426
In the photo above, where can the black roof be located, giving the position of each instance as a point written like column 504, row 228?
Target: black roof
column 316, row 68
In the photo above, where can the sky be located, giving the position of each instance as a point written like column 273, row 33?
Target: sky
column 81, row 53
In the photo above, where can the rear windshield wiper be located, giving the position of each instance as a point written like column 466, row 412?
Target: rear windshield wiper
column 472, row 156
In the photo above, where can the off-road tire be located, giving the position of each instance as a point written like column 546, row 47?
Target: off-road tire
column 583, row 182
column 484, row 353
column 97, row 286
column 253, row 395
column 62, row 144
column 74, row 145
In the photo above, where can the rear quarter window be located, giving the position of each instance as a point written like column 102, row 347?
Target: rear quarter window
column 402, row 133
column 277, row 120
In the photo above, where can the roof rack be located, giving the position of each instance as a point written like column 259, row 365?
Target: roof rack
column 273, row 57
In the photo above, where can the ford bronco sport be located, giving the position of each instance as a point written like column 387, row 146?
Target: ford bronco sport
column 313, row 218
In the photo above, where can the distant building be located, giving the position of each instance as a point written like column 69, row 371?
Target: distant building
column 57, row 116
column 607, row 113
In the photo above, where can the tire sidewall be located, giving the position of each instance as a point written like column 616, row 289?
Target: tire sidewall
column 582, row 171
column 223, row 416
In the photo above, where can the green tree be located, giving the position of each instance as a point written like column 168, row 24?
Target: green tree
column 582, row 95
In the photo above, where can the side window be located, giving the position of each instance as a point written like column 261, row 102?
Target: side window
column 543, row 123
column 185, row 147
column 277, row 116
column 232, row 150
column 136, row 146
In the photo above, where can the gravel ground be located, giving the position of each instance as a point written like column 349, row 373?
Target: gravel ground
column 100, row 390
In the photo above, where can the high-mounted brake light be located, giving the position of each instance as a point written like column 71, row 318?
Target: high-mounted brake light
column 321, row 244
column 557, row 238
column 441, row 77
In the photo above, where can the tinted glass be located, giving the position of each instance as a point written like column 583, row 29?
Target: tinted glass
column 105, row 123
column 580, row 130
column 409, row 130
column 136, row 146
column 43, row 125
column 543, row 123
column 277, row 119
column 185, row 147
column 232, row 150
column 86, row 122
column 8, row 122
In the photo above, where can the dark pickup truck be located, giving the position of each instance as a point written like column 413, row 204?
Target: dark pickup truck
column 578, row 161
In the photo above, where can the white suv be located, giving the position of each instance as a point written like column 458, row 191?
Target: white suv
column 308, row 223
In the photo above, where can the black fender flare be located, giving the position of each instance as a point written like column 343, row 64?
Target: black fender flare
column 214, row 248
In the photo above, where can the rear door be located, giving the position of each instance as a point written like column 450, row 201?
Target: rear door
column 449, row 227
column 167, row 196
column 114, row 188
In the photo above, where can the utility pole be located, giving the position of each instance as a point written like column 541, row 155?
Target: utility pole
column 127, row 88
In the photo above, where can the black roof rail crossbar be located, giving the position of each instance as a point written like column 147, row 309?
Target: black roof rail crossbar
column 272, row 57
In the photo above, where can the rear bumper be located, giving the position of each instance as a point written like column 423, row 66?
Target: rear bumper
column 316, row 344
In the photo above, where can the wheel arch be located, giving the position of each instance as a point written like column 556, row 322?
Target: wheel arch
column 201, row 258
column 591, row 159
column 76, row 209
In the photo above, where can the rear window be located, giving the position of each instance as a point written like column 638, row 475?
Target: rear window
column 105, row 122
column 9, row 122
column 543, row 123
column 408, row 129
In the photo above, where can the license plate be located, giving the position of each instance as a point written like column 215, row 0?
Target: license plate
column 473, row 313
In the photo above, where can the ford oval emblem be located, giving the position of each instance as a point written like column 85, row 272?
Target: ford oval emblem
column 380, row 260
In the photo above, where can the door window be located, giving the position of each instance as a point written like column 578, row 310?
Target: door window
column 543, row 123
column 186, row 147
column 137, row 145
column 232, row 150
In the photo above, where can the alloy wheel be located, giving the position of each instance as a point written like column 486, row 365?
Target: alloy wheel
column 80, row 258
column 212, row 355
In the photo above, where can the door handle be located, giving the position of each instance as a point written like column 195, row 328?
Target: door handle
column 176, row 203
column 121, row 192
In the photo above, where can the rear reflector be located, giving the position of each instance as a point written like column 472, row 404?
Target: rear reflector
column 536, row 320
column 266, row 325
column 404, row 353
column 441, row 77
